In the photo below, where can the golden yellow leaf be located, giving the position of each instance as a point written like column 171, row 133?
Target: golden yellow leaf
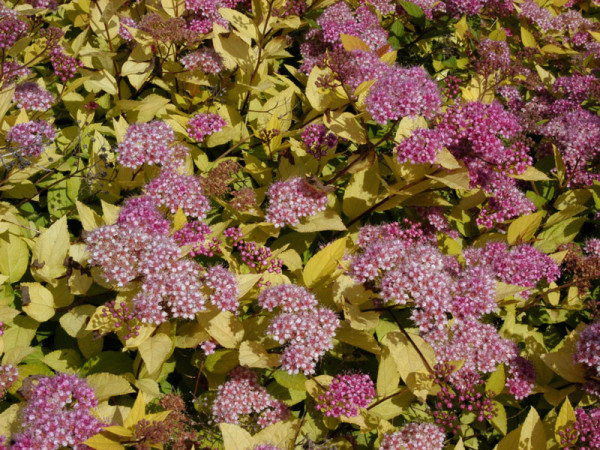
column 253, row 354
column 523, row 228
column 527, row 38
column 155, row 351
column 324, row 263
column 351, row 43
column 38, row 302
column 235, row 437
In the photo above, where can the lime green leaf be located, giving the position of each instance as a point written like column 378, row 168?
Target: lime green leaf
column 566, row 419
column 155, row 351
column 14, row 257
column 108, row 385
column 50, row 250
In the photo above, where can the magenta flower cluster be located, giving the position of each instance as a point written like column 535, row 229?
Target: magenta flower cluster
column 65, row 66
column 242, row 398
column 8, row 375
column 318, row 140
column 588, row 348
column 487, row 139
column 30, row 139
column 58, row 414
column 306, row 329
column 31, row 97
column 170, row 285
column 202, row 125
column 403, row 92
column 11, row 28
column 196, row 235
column 292, row 200
column 406, row 272
column 346, row 395
column 173, row 191
column 257, row 257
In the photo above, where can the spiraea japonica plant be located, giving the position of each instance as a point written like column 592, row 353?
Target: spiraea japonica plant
column 285, row 224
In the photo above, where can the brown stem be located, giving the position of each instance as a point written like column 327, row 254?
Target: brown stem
column 387, row 397
column 198, row 376
column 261, row 42
column 534, row 300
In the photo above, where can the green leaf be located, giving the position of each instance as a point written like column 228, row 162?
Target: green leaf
column 108, row 385
column 566, row 419
column 549, row 239
column 496, row 381
column 64, row 360
column 412, row 9
column 499, row 421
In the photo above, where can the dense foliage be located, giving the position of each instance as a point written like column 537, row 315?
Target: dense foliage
column 277, row 224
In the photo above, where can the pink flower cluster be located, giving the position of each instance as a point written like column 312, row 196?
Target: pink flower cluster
column 257, row 257
column 141, row 213
column 147, row 143
column 202, row 125
column 405, row 271
column 324, row 46
column 306, row 329
column 403, row 92
column 346, row 395
column 209, row 347
column 243, row 399
column 123, row 31
column 11, row 28
column 485, row 137
column 317, row 140
column 195, row 234
column 289, row 297
column 31, row 97
column 141, row 251
column 576, row 133
column 586, row 428
column 30, row 138
column 8, row 375
column 415, row 436
column 292, row 200
column 205, row 59
column 58, row 414
column 451, row 403
column 588, row 348
column 206, row 12
column 173, row 190
column 521, row 265
column 224, row 288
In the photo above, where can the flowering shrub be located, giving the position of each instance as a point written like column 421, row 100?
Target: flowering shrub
column 300, row 224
